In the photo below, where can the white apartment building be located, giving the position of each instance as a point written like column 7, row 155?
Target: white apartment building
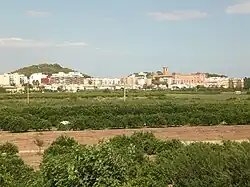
column 218, row 82
column 13, row 79
column 4, row 80
column 103, row 81
column 36, row 77
column 223, row 82
column 236, row 83
column 18, row 79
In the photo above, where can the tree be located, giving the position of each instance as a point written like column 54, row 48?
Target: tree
column 93, row 166
column 60, row 89
column 2, row 90
column 90, row 82
column 214, row 75
column 247, row 83
column 15, row 124
column 231, row 84
column 9, row 148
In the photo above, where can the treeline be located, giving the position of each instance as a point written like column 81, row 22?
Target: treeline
column 111, row 116
column 140, row 160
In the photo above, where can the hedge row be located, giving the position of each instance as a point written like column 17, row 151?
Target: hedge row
column 103, row 116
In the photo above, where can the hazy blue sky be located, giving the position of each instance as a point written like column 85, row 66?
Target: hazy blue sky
column 117, row 37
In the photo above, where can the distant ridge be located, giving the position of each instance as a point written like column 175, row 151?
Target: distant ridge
column 45, row 68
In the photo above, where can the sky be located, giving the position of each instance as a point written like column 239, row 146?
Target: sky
column 118, row 37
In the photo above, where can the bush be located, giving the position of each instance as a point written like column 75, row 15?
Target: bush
column 9, row 148
column 61, row 145
column 138, row 160
column 15, row 124
column 13, row 171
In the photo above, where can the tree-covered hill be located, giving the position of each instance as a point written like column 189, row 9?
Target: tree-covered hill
column 44, row 68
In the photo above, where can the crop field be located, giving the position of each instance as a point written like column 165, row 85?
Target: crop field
column 98, row 111
column 95, row 116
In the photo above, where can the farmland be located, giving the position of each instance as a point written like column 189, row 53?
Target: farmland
column 143, row 109
column 139, row 158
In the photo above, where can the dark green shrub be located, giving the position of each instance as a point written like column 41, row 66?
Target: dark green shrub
column 61, row 145
column 9, row 148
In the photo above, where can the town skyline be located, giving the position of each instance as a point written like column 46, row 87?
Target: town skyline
column 159, row 69
column 115, row 38
column 53, row 77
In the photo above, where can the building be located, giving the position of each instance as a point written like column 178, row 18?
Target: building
column 191, row 80
column 4, row 80
column 36, row 78
column 129, row 81
column 67, row 78
column 136, row 80
column 237, row 83
column 217, row 82
column 18, row 79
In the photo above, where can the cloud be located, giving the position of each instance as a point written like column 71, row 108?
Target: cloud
column 68, row 44
column 19, row 42
column 240, row 8
column 177, row 15
column 33, row 13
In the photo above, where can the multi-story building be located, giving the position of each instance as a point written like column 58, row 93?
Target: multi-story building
column 129, row 81
column 67, row 78
column 4, row 80
column 217, row 82
column 224, row 82
column 37, row 78
column 138, row 80
column 191, row 80
column 236, row 83
column 17, row 79
column 13, row 79
column 103, row 81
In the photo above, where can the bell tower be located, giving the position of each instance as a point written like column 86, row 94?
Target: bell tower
column 165, row 70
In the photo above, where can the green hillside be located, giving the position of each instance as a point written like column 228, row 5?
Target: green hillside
column 44, row 68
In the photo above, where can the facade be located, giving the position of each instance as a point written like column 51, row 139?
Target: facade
column 18, row 79
column 14, row 79
column 236, row 83
column 136, row 81
column 37, row 77
column 102, row 81
column 4, row 80
column 67, row 78
column 223, row 82
column 217, row 82
column 192, row 80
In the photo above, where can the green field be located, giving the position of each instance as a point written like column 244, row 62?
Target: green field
column 107, row 110
column 140, row 160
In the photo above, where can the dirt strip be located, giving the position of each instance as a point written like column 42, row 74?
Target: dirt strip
column 214, row 134
column 25, row 141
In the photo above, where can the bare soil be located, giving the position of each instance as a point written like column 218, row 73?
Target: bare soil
column 25, row 141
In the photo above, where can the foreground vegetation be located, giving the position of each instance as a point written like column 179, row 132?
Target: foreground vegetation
column 139, row 160
column 157, row 109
